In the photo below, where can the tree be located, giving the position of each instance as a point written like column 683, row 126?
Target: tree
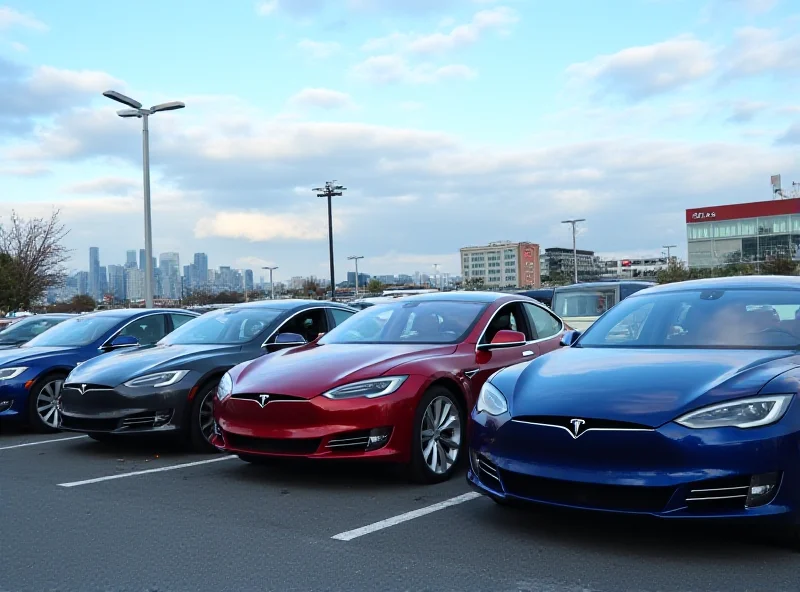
column 34, row 258
column 375, row 286
column 779, row 266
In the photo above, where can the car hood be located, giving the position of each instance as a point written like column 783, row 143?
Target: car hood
column 16, row 355
column 115, row 368
column 10, row 345
column 649, row 387
column 312, row 370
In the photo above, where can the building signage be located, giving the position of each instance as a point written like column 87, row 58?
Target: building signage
column 703, row 215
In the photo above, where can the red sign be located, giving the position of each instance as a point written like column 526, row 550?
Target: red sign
column 626, row 263
column 778, row 207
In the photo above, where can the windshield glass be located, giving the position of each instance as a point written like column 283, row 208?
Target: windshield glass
column 76, row 332
column 740, row 319
column 438, row 321
column 224, row 327
column 27, row 329
column 591, row 302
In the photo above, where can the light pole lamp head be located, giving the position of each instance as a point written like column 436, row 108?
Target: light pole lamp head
column 129, row 113
column 120, row 98
column 171, row 106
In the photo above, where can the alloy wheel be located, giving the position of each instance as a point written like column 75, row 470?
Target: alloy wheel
column 206, row 415
column 47, row 403
column 440, row 435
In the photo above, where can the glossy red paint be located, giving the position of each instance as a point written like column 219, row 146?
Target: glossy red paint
column 309, row 421
column 506, row 336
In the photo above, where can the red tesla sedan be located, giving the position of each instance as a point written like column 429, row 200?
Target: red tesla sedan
column 394, row 382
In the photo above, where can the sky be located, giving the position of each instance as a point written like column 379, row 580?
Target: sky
column 450, row 122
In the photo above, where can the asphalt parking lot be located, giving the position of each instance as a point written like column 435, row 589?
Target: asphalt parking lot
column 76, row 514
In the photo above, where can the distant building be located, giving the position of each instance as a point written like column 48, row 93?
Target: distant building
column 558, row 262
column 363, row 278
column 502, row 264
column 94, row 273
column 116, row 281
column 633, row 268
column 134, row 280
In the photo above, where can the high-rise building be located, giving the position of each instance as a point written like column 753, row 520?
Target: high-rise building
column 201, row 268
column 248, row 280
column 135, row 283
column 502, row 264
column 94, row 272
column 169, row 266
column 83, row 282
column 103, row 282
column 130, row 258
column 141, row 259
column 116, row 281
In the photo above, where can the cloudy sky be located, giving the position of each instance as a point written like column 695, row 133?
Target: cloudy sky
column 451, row 122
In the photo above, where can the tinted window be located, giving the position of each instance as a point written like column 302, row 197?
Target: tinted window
column 76, row 332
column 27, row 329
column 406, row 321
column 309, row 324
column 508, row 318
column 591, row 302
column 224, row 327
column 546, row 325
column 147, row 330
column 178, row 320
column 340, row 316
column 745, row 319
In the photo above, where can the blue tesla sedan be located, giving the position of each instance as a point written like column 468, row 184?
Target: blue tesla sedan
column 679, row 402
column 32, row 375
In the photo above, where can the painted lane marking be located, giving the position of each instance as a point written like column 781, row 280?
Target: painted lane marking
column 42, row 442
column 393, row 521
column 146, row 472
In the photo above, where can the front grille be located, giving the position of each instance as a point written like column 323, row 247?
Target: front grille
column 274, row 445
column 350, row 441
column 89, row 425
column 718, row 494
column 595, row 424
column 148, row 419
column 86, row 387
column 630, row 498
column 268, row 398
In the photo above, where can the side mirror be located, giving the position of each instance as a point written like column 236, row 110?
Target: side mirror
column 284, row 340
column 503, row 340
column 569, row 337
column 123, row 341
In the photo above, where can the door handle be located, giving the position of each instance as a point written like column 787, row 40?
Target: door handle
column 527, row 353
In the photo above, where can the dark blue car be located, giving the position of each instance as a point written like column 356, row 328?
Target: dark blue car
column 31, row 376
column 679, row 402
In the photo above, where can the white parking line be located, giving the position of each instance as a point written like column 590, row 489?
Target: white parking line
column 370, row 528
column 42, row 442
column 146, row 472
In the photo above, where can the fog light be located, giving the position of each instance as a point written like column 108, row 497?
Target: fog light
column 762, row 489
column 162, row 417
column 5, row 405
column 378, row 438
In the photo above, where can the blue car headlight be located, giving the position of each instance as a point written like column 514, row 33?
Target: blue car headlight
column 9, row 373
column 491, row 400
column 740, row 413
column 225, row 387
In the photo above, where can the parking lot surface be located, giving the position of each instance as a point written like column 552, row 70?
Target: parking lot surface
column 76, row 514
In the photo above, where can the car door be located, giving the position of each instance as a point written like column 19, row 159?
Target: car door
column 337, row 316
column 546, row 326
column 147, row 329
column 310, row 323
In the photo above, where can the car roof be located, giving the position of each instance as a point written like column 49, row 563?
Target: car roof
column 730, row 283
column 288, row 304
column 457, row 296
column 127, row 313
column 603, row 284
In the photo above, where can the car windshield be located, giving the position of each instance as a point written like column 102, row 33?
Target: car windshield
column 433, row 321
column 704, row 319
column 588, row 302
column 27, row 329
column 76, row 332
column 228, row 326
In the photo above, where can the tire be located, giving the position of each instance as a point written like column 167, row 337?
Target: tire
column 43, row 415
column 201, row 420
column 427, row 437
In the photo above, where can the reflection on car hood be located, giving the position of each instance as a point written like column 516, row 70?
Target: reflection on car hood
column 310, row 371
column 649, row 387
column 16, row 355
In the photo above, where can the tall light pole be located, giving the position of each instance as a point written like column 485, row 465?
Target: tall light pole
column 136, row 110
column 669, row 253
column 330, row 191
column 574, row 243
column 271, row 285
column 356, row 258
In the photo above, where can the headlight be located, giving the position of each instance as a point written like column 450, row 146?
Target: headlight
column 377, row 387
column 158, row 380
column 491, row 400
column 741, row 413
column 9, row 373
column 225, row 387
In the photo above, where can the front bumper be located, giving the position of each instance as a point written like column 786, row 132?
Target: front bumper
column 669, row 472
column 320, row 427
column 14, row 397
column 125, row 410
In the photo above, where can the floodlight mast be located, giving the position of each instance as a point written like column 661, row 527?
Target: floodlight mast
column 136, row 110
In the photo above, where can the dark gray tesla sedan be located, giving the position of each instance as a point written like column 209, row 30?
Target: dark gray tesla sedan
column 170, row 387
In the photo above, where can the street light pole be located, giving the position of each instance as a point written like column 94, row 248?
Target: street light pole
column 356, row 258
column 330, row 191
column 136, row 110
column 574, row 243
column 271, row 285
column 669, row 253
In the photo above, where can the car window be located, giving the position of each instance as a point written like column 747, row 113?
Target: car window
column 510, row 317
column 27, row 329
column 76, row 332
column 226, row 326
column 309, row 324
column 545, row 324
column 589, row 302
column 147, row 330
column 630, row 328
column 340, row 315
column 179, row 320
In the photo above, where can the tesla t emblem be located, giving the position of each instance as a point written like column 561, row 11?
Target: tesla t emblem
column 263, row 400
column 576, row 426
column 83, row 389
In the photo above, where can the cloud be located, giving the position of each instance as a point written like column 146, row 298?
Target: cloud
column 255, row 263
column 760, row 51
column 746, row 111
column 640, row 72
column 791, row 137
column 319, row 49
column 500, row 18
column 10, row 18
column 391, row 69
column 322, row 98
column 266, row 8
column 104, row 186
column 258, row 227
column 753, row 6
